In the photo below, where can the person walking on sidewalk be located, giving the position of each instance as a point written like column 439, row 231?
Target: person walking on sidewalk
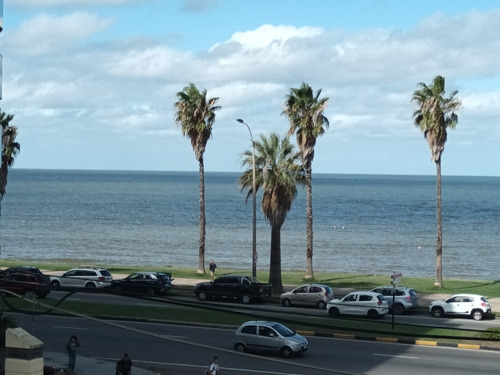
column 71, row 346
column 124, row 366
column 212, row 268
column 213, row 369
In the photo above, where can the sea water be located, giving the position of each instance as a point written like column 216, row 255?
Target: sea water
column 374, row 224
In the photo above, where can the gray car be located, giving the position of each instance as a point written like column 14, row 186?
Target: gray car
column 400, row 298
column 308, row 295
column 269, row 337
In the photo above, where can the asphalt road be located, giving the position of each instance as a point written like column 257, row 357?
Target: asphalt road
column 410, row 318
column 173, row 349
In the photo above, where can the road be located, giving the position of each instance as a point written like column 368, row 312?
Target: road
column 171, row 349
column 410, row 318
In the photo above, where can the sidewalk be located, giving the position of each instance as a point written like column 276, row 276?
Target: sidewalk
column 88, row 366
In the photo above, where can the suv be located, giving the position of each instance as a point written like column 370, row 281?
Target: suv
column 371, row 304
column 308, row 294
column 25, row 283
column 404, row 298
column 472, row 305
column 25, row 269
column 268, row 336
column 82, row 278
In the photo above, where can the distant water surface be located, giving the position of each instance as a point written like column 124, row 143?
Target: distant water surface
column 362, row 223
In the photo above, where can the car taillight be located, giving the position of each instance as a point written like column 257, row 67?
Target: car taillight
column 379, row 302
column 483, row 304
column 101, row 278
column 408, row 298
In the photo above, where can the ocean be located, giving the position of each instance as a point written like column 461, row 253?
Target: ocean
column 369, row 224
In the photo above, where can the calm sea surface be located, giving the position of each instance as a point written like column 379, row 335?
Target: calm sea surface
column 362, row 223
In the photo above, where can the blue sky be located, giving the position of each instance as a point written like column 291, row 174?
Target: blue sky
column 92, row 83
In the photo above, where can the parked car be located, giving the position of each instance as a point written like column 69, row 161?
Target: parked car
column 244, row 288
column 404, row 298
column 150, row 283
column 25, row 283
column 369, row 304
column 309, row 295
column 269, row 337
column 25, row 269
column 89, row 277
column 472, row 305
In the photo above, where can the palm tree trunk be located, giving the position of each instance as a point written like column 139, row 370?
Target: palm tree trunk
column 275, row 261
column 439, row 238
column 309, row 226
column 201, row 254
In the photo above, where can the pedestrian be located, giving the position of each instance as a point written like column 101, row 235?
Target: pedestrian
column 213, row 369
column 212, row 268
column 71, row 346
column 124, row 365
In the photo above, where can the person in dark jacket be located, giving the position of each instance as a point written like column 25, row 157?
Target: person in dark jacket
column 124, row 365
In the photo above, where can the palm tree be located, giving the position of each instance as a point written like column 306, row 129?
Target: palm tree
column 9, row 150
column 196, row 116
column 304, row 110
column 278, row 173
column 434, row 115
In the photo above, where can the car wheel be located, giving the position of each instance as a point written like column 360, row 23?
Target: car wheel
column 321, row 305
column 240, row 348
column 477, row 315
column 90, row 285
column 437, row 312
column 202, row 296
column 286, row 302
column 150, row 292
column 372, row 314
column 246, row 299
column 286, row 352
column 55, row 285
column 333, row 312
column 398, row 309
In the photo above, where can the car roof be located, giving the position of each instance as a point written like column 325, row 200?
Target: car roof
column 365, row 292
column 88, row 268
column 315, row 284
column 261, row 322
column 396, row 287
column 467, row 295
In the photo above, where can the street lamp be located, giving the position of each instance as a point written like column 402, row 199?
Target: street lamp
column 254, row 220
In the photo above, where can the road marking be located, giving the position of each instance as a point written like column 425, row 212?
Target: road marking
column 67, row 327
column 394, row 356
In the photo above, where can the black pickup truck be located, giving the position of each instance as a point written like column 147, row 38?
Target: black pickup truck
column 244, row 288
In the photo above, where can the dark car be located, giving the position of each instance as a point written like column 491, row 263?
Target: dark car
column 244, row 288
column 24, row 269
column 150, row 283
column 25, row 283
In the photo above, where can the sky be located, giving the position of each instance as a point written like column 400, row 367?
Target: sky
column 92, row 83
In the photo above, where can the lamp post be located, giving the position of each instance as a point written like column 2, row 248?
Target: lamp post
column 254, row 201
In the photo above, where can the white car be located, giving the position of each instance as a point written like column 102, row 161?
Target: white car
column 472, row 305
column 370, row 304
column 82, row 278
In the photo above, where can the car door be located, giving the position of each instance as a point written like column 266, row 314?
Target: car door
column 299, row 295
column 69, row 279
column 349, row 304
column 454, row 305
column 267, row 339
column 248, row 335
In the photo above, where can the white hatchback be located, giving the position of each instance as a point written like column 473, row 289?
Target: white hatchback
column 472, row 305
column 370, row 304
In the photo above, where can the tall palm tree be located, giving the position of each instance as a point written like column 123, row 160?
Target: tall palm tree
column 304, row 110
column 434, row 115
column 196, row 116
column 278, row 173
column 9, row 150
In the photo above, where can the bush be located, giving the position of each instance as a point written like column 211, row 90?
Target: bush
column 491, row 333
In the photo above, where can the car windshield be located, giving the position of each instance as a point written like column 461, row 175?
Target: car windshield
column 328, row 290
column 283, row 331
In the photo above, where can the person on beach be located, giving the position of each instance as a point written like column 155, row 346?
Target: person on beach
column 212, row 268
column 124, row 366
column 71, row 346
column 213, row 369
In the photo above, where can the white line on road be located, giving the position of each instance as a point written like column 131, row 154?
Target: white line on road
column 65, row 327
column 394, row 356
